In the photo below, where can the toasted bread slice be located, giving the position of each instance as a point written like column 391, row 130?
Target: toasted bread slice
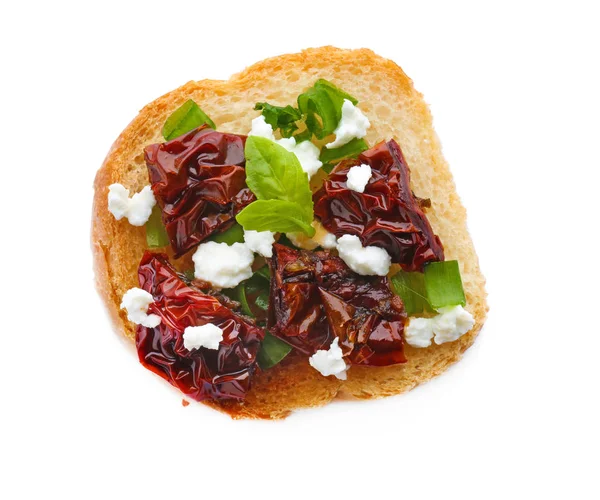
column 396, row 110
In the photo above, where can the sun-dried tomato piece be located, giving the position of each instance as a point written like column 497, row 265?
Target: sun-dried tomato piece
column 315, row 296
column 224, row 373
column 199, row 182
column 387, row 214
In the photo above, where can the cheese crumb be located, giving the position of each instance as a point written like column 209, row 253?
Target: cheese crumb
column 329, row 362
column 367, row 261
column 322, row 238
column 353, row 125
column 306, row 152
column 449, row 325
column 260, row 242
column 418, row 332
column 452, row 323
column 223, row 265
column 209, row 336
column 136, row 302
column 260, row 128
column 358, row 178
column 137, row 209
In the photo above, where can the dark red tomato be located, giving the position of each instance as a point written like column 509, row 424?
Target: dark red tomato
column 202, row 373
column 316, row 297
column 200, row 184
column 387, row 214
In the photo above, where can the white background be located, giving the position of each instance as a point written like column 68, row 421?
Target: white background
column 514, row 90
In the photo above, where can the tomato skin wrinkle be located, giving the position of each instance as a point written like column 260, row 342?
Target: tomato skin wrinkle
column 387, row 214
column 199, row 181
column 315, row 297
column 224, row 373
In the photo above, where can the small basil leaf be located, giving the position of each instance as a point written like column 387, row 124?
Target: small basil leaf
column 185, row 118
column 264, row 272
column 262, row 301
column 278, row 216
column 272, row 351
column 322, row 107
column 282, row 118
column 306, row 135
column 350, row 150
column 273, row 173
column 410, row 287
column 156, row 234
column 234, row 234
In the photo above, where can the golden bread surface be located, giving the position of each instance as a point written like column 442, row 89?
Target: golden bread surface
column 396, row 110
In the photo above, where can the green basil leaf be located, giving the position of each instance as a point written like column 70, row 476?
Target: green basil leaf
column 410, row 287
column 272, row 351
column 306, row 135
column 282, row 118
column 443, row 284
column 156, row 234
column 258, row 289
column 285, row 241
column 234, row 234
column 322, row 107
column 185, row 118
column 243, row 299
column 350, row 150
column 279, row 216
column 273, row 173
column 262, row 300
column 264, row 272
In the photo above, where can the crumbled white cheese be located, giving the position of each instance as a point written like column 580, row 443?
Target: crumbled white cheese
column 329, row 362
column 260, row 242
column 367, row 261
column 449, row 325
column 260, row 128
column 306, row 152
column 223, row 265
column 418, row 332
column 358, row 178
column 209, row 336
column 136, row 302
column 322, row 238
column 353, row 125
column 137, row 209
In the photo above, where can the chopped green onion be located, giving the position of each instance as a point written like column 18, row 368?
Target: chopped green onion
column 189, row 274
column 410, row 287
column 272, row 351
column 443, row 284
column 352, row 149
column 185, row 118
column 235, row 234
column 156, row 234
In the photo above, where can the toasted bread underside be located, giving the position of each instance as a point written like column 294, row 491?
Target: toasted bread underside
column 396, row 110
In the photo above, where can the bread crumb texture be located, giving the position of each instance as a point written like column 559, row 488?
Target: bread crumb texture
column 396, row 110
